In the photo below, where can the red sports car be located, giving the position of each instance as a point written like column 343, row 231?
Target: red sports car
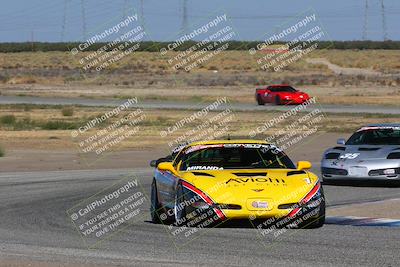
column 281, row 94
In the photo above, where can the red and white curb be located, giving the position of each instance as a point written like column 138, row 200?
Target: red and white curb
column 362, row 221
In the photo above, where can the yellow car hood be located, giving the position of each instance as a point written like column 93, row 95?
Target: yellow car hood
column 278, row 186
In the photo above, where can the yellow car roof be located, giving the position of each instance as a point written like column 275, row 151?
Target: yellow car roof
column 234, row 141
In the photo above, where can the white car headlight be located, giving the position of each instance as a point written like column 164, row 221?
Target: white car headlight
column 389, row 171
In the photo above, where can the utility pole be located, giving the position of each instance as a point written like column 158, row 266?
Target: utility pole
column 124, row 9
column 365, row 28
column 142, row 12
column 142, row 17
column 83, row 12
column 32, row 38
column 384, row 27
column 64, row 21
column 184, row 17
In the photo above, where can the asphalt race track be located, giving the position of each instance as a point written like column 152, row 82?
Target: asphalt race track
column 34, row 225
column 192, row 106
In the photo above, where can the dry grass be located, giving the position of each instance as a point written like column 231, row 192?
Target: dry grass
column 232, row 73
column 386, row 61
column 146, row 62
column 143, row 62
column 335, row 94
column 149, row 135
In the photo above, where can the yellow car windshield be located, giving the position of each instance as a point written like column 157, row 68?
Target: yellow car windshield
column 237, row 157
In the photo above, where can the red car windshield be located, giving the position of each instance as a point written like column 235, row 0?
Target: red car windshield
column 283, row 89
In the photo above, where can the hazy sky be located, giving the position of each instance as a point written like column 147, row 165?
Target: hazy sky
column 42, row 20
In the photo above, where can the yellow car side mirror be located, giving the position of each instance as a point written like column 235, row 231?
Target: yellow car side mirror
column 304, row 165
column 167, row 166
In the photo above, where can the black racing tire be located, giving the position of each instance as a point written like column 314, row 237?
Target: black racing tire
column 319, row 222
column 278, row 100
column 155, row 206
column 260, row 101
column 396, row 183
column 327, row 181
column 331, row 180
column 180, row 213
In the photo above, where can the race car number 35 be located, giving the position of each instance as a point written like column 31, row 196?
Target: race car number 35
column 349, row 156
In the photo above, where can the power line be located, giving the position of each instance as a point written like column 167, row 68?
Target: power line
column 32, row 38
column 184, row 17
column 142, row 17
column 124, row 9
column 64, row 21
column 83, row 14
column 365, row 27
column 383, row 17
column 384, row 27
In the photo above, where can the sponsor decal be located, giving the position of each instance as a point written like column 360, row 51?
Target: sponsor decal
column 257, row 190
column 200, row 147
column 178, row 148
column 264, row 147
column 204, row 168
column 260, row 204
column 253, row 180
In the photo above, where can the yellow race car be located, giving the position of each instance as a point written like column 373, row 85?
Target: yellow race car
column 204, row 183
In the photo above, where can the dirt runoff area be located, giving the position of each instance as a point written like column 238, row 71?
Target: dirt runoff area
column 379, row 209
column 45, row 159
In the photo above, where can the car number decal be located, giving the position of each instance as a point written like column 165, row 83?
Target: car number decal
column 349, row 156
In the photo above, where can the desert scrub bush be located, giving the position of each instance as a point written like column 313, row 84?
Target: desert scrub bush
column 59, row 125
column 67, row 111
column 213, row 68
column 7, row 119
column 29, row 124
column 4, row 78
